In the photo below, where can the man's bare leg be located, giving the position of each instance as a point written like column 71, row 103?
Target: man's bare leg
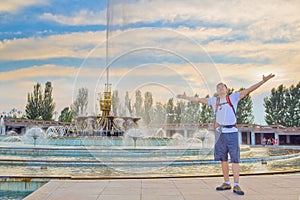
column 225, row 170
column 236, row 175
column 236, row 172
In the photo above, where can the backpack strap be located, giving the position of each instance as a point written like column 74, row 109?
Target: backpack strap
column 229, row 102
column 217, row 105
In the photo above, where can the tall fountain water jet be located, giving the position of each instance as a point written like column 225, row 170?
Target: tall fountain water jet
column 106, row 124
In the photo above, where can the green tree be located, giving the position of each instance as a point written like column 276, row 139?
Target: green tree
column 275, row 106
column 170, row 111
column 148, row 102
column 158, row 114
column 179, row 110
column 138, row 103
column 283, row 106
column 192, row 112
column 40, row 106
column 47, row 106
column 292, row 116
column 206, row 113
column 34, row 103
column 80, row 104
column 65, row 115
column 244, row 114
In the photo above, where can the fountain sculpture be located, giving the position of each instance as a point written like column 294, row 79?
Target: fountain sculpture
column 107, row 125
column 104, row 125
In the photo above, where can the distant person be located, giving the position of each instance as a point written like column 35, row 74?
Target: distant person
column 273, row 141
column 1, row 125
column 264, row 141
column 226, row 141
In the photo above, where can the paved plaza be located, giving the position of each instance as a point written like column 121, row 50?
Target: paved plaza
column 286, row 187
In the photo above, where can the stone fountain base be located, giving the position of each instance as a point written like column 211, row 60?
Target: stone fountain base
column 110, row 126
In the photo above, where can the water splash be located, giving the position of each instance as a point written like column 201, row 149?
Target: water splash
column 34, row 135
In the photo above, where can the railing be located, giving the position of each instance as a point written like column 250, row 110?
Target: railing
column 29, row 122
column 252, row 127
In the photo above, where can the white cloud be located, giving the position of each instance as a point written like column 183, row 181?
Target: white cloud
column 66, row 45
column 80, row 45
column 192, row 11
column 271, row 30
column 17, row 84
column 83, row 17
column 178, row 11
column 38, row 72
column 13, row 6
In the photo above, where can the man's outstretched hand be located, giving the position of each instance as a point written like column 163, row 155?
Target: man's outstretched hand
column 266, row 78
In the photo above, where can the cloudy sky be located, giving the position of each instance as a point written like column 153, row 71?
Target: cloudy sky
column 166, row 47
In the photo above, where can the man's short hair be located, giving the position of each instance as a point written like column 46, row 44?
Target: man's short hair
column 222, row 84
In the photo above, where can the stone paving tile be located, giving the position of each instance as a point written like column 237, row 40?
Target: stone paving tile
column 121, row 191
column 191, row 183
column 72, row 196
column 162, row 197
column 125, row 183
column 166, row 192
column 263, row 187
column 119, row 197
column 194, row 191
column 204, row 197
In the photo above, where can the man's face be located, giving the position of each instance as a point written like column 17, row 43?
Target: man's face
column 221, row 89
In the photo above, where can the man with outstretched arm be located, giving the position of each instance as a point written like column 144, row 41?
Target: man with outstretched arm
column 226, row 141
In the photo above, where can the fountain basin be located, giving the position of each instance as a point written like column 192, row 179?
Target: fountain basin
column 93, row 141
column 132, row 162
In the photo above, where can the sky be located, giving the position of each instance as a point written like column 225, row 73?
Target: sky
column 165, row 47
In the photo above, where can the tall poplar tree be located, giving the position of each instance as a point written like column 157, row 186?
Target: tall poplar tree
column 39, row 105
column 170, row 111
column 47, row 106
column 34, row 102
column 138, row 103
column 80, row 104
column 147, row 107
